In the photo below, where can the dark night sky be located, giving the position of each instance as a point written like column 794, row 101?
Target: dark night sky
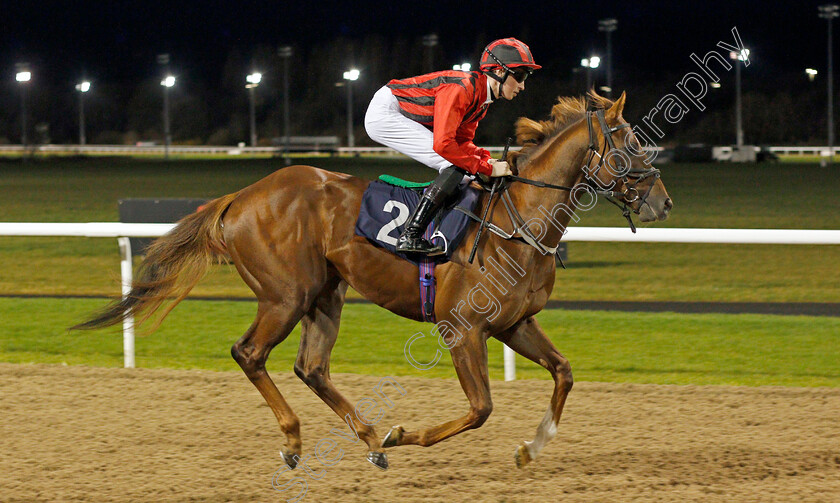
column 118, row 40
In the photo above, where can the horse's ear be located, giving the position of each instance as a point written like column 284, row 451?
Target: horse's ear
column 618, row 106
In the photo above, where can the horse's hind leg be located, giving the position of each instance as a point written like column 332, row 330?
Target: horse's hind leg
column 273, row 324
column 319, row 330
column 529, row 340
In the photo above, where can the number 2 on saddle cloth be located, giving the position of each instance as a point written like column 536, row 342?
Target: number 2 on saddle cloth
column 385, row 209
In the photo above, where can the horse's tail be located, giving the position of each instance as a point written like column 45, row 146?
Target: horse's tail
column 173, row 264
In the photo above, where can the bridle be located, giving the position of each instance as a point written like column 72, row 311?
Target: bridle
column 630, row 193
column 630, row 179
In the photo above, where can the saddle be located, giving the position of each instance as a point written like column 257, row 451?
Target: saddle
column 386, row 206
column 388, row 202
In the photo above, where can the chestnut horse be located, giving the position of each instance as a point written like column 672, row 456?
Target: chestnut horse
column 291, row 238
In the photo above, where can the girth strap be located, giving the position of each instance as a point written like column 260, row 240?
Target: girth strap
column 428, row 282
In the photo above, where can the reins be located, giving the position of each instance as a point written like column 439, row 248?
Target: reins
column 619, row 199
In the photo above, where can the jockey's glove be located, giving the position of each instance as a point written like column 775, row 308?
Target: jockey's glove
column 500, row 168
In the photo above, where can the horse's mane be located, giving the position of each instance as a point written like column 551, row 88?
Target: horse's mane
column 532, row 134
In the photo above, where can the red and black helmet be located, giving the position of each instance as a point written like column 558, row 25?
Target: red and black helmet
column 507, row 54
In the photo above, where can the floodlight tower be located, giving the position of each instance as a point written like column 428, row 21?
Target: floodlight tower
column 167, row 82
column 608, row 26
column 590, row 64
column 253, row 80
column 829, row 12
column 83, row 87
column 430, row 41
column 23, row 76
column 285, row 52
column 744, row 55
column 350, row 77
column 464, row 67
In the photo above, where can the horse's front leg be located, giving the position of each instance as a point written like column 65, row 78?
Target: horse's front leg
column 529, row 340
column 469, row 357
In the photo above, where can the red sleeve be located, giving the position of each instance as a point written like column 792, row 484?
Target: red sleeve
column 464, row 137
column 451, row 105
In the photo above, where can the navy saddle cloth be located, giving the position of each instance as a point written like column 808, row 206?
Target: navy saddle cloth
column 385, row 211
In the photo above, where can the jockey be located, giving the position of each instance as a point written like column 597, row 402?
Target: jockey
column 432, row 119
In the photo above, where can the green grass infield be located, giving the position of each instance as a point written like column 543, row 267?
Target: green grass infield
column 706, row 195
column 660, row 348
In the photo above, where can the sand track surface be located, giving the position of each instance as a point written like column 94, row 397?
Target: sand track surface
column 96, row 434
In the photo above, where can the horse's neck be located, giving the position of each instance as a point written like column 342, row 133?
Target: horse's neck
column 560, row 163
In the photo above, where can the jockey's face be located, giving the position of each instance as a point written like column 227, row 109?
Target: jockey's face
column 511, row 86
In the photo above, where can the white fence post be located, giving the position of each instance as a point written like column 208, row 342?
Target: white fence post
column 510, row 364
column 128, row 322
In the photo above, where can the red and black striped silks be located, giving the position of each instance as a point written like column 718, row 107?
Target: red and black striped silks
column 450, row 103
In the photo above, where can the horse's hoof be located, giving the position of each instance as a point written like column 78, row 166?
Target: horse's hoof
column 288, row 458
column 522, row 456
column 378, row 459
column 394, row 437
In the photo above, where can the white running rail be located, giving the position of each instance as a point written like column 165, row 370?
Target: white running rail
column 123, row 231
column 236, row 150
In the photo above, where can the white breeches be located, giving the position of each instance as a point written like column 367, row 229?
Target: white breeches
column 386, row 125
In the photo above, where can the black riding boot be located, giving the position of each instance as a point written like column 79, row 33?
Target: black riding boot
column 411, row 240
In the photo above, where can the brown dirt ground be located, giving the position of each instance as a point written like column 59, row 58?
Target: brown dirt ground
column 96, row 434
